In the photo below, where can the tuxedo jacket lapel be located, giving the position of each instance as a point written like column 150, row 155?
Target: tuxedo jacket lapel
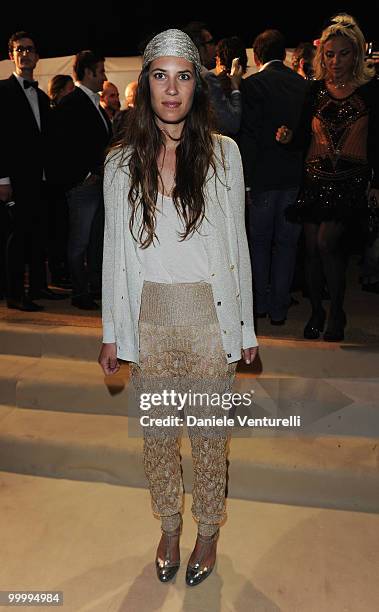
column 22, row 103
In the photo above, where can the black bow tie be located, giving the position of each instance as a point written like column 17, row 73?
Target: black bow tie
column 28, row 84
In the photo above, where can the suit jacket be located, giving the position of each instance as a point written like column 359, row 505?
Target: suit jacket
column 271, row 98
column 24, row 147
column 80, row 139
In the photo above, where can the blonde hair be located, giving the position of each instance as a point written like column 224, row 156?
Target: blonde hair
column 346, row 26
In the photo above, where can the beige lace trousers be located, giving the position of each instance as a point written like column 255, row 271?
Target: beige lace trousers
column 181, row 350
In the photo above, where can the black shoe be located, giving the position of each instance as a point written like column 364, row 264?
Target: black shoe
column 46, row 294
column 95, row 295
column 84, row 303
column 371, row 287
column 335, row 330
column 63, row 283
column 315, row 325
column 260, row 315
column 165, row 568
column 25, row 304
column 278, row 321
column 198, row 572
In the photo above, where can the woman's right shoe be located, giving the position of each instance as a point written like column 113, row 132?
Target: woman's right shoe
column 166, row 568
column 315, row 325
column 335, row 331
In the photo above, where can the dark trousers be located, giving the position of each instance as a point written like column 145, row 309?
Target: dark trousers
column 273, row 242
column 26, row 242
column 58, row 235
column 5, row 230
column 85, row 243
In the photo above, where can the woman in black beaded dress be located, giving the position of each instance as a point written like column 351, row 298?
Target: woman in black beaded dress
column 340, row 132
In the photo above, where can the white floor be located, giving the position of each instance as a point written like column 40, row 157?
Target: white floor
column 96, row 542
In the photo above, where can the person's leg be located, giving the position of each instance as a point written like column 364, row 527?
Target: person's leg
column 370, row 267
column 209, row 377
column 161, row 445
column 15, row 255
column 4, row 234
column 260, row 217
column 82, row 203
column 286, row 236
column 334, row 263
column 38, row 241
column 95, row 247
column 161, row 449
column 315, row 279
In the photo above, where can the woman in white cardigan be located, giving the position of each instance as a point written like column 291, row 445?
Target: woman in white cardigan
column 177, row 293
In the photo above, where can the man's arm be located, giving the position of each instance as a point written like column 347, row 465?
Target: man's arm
column 251, row 126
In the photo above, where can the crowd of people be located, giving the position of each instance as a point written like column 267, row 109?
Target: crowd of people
column 179, row 208
column 52, row 206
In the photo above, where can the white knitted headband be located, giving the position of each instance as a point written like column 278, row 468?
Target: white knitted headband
column 172, row 43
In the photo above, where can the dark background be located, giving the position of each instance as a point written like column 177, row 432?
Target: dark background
column 116, row 28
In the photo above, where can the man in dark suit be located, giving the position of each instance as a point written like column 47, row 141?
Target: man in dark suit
column 81, row 134
column 24, row 119
column 272, row 97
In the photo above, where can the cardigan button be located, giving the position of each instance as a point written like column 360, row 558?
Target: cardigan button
column 218, row 303
column 224, row 330
column 229, row 354
column 242, row 323
column 213, row 274
column 232, row 267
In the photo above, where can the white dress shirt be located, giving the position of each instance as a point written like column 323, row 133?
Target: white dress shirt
column 268, row 63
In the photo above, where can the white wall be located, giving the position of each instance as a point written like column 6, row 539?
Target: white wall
column 119, row 70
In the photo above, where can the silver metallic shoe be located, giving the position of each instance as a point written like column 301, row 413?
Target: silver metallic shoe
column 198, row 572
column 165, row 567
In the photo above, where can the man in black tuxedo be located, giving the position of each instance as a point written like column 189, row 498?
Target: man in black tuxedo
column 272, row 97
column 81, row 134
column 24, row 122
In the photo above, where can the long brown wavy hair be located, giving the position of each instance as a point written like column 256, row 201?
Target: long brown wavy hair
column 141, row 143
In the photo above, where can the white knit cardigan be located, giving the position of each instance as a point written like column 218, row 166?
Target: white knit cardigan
column 225, row 243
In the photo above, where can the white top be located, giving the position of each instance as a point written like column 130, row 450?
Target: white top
column 168, row 259
column 225, row 243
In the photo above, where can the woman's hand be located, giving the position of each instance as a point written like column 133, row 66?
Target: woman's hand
column 284, row 134
column 108, row 359
column 249, row 354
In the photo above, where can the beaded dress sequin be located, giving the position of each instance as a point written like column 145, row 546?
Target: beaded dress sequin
column 336, row 171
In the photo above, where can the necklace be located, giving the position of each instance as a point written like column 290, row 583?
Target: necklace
column 338, row 85
column 170, row 137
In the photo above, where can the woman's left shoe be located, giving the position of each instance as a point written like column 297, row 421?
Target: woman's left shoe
column 199, row 570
